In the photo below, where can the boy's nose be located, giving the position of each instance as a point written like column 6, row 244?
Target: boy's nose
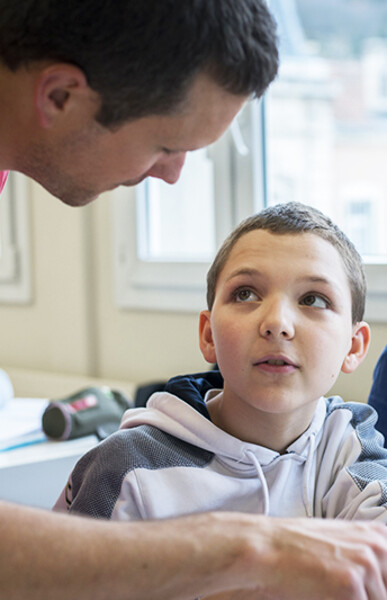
column 276, row 320
column 168, row 168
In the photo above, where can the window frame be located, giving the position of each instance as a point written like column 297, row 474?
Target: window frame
column 15, row 259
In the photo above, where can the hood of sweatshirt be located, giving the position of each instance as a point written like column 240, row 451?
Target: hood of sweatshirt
column 181, row 411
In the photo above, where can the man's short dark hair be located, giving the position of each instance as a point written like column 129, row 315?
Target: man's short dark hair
column 142, row 55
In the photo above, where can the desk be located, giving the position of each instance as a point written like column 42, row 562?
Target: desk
column 35, row 475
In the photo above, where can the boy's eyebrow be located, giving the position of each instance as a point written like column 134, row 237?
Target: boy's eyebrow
column 243, row 271
column 317, row 279
column 256, row 272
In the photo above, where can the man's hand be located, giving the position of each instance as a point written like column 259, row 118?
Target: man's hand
column 315, row 559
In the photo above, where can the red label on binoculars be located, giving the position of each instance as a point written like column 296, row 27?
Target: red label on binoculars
column 83, row 403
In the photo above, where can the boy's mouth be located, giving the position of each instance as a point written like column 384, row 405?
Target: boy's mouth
column 276, row 363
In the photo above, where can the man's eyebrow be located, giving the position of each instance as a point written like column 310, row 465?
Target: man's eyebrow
column 171, row 151
column 167, row 150
column 185, row 149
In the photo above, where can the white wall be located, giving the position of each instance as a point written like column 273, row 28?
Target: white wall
column 72, row 326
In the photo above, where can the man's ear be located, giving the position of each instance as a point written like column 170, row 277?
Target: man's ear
column 206, row 341
column 59, row 87
column 360, row 343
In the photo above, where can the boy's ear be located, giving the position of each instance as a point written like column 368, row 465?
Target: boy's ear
column 59, row 88
column 360, row 343
column 206, row 341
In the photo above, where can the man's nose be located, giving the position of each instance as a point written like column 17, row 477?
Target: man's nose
column 168, row 167
column 276, row 320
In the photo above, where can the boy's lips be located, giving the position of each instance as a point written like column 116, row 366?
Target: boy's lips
column 276, row 363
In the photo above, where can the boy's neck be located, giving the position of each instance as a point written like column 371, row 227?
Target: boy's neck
column 270, row 430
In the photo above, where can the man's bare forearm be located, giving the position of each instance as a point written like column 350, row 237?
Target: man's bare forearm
column 49, row 555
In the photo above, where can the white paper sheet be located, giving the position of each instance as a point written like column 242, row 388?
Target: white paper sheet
column 21, row 422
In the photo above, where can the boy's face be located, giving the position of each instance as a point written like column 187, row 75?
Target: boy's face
column 281, row 327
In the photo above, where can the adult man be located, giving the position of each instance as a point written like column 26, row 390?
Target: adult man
column 94, row 94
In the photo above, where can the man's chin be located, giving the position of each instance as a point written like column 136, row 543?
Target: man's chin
column 84, row 197
column 74, row 198
column 75, row 201
column 71, row 195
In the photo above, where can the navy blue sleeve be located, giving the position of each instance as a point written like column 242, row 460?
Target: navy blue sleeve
column 378, row 395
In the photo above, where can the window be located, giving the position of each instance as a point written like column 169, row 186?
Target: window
column 318, row 137
column 326, row 123
column 15, row 280
column 165, row 240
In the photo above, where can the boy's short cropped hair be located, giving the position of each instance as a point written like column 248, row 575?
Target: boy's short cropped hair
column 295, row 218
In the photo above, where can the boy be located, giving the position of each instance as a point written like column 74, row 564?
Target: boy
column 286, row 297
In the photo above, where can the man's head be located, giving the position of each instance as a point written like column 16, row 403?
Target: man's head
column 294, row 219
column 76, row 159
column 101, row 94
column 141, row 56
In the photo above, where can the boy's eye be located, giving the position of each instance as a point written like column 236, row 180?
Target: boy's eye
column 245, row 295
column 315, row 300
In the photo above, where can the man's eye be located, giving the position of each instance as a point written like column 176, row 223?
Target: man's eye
column 245, row 295
column 315, row 300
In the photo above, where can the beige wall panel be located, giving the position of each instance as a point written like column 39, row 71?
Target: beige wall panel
column 136, row 345
column 51, row 332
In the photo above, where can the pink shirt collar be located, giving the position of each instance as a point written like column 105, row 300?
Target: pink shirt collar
column 3, row 179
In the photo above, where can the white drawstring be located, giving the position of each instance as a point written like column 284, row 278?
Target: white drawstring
column 306, row 479
column 262, row 479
